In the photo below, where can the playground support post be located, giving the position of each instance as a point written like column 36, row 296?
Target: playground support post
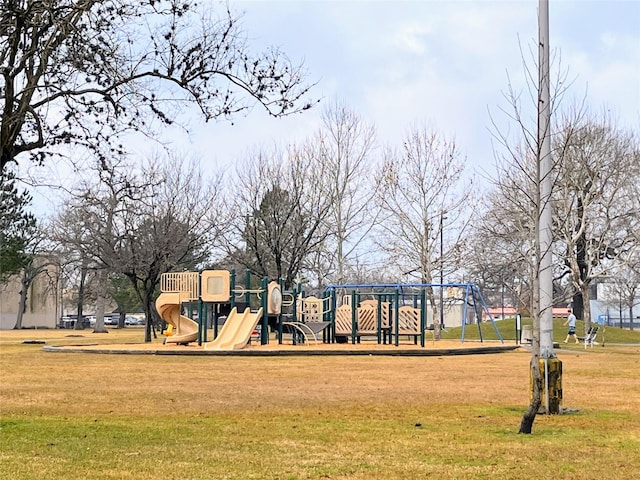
column 247, row 287
column 202, row 323
column 293, row 307
column 466, row 309
column 232, row 281
column 354, row 316
column 332, row 316
column 477, row 312
column 379, row 320
column 396, row 316
column 264, row 331
column 326, row 317
column 423, row 315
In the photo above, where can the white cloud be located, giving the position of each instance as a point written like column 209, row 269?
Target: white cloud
column 412, row 38
column 443, row 62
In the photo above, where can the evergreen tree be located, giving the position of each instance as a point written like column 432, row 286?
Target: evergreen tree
column 17, row 226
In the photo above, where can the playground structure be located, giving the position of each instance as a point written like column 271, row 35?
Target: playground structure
column 344, row 312
column 206, row 288
column 378, row 304
column 168, row 306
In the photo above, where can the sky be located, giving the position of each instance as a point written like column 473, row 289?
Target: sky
column 442, row 63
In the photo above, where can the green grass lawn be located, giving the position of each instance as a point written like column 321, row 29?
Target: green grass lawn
column 507, row 329
column 91, row 416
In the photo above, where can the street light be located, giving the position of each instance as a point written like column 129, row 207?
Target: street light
column 442, row 217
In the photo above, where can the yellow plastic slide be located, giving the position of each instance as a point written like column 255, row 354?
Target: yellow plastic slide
column 186, row 330
column 236, row 331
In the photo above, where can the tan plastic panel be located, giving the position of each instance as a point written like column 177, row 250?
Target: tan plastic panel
column 215, row 285
column 274, row 295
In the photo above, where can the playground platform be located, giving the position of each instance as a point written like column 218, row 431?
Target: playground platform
column 435, row 348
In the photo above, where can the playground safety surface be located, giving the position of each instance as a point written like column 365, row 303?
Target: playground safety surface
column 432, row 348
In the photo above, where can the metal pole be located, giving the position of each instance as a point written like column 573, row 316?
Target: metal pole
column 354, row 316
column 232, row 282
column 545, row 181
column 441, row 270
column 247, row 286
column 396, row 314
column 423, row 315
column 502, row 301
column 264, row 331
column 552, row 365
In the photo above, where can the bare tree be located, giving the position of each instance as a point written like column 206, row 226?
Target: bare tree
column 501, row 243
column 597, row 209
column 76, row 258
column 423, row 192
column 530, row 153
column 88, row 228
column 141, row 226
column 164, row 230
column 81, row 72
column 625, row 289
column 276, row 216
column 573, row 187
column 344, row 147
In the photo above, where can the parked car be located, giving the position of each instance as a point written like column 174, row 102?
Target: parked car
column 131, row 320
column 69, row 321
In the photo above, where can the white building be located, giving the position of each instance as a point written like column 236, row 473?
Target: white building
column 43, row 299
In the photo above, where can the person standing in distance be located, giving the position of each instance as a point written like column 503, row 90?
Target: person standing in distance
column 571, row 321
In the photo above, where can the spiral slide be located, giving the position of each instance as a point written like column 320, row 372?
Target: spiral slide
column 186, row 330
column 236, row 331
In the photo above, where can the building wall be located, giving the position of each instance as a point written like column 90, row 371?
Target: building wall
column 42, row 309
column 454, row 315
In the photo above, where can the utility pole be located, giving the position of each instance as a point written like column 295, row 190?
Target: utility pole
column 441, row 270
column 546, row 370
column 545, row 181
column 550, row 366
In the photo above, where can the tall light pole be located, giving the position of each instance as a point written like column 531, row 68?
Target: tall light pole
column 442, row 217
column 545, row 184
column 552, row 379
column 546, row 369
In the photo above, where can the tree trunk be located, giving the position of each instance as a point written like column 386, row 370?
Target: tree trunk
column 435, row 308
column 526, row 424
column 100, row 301
column 587, row 310
column 149, row 310
column 147, row 324
column 83, row 276
column 22, row 303
column 577, row 305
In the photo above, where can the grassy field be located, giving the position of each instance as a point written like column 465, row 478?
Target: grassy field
column 90, row 416
column 507, row 329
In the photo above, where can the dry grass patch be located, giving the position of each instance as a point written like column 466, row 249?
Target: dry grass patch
column 78, row 416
